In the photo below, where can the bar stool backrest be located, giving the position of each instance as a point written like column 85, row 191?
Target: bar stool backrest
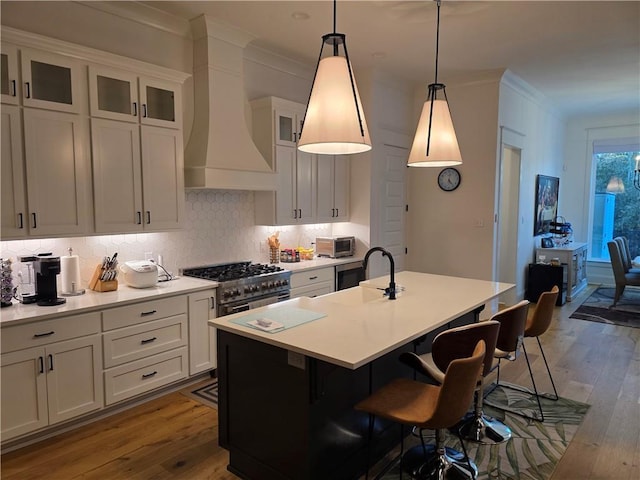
column 512, row 324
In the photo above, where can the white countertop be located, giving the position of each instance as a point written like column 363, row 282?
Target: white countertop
column 317, row 262
column 91, row 300
column 354, row 332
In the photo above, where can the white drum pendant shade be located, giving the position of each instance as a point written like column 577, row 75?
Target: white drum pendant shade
column 331, row 125
column 443, row 148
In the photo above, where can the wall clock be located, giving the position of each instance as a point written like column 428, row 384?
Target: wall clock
column 449, row 179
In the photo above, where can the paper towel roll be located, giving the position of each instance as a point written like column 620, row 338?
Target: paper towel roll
column 70, row 275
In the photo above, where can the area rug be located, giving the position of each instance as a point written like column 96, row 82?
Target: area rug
column 597, row 308
column 534, row 448
column 206, row 394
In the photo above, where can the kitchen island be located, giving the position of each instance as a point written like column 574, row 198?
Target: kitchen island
column 286, row 398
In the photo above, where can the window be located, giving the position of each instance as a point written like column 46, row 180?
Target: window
column 616, row 200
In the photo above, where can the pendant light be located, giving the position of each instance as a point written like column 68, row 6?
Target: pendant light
column 334, row 122
column 435, row 143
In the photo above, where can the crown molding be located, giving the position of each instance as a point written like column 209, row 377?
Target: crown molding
column 90, row 55
column 144, row 15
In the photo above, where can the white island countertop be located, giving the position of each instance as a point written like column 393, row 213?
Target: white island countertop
column 361, row 325
column 91, row 300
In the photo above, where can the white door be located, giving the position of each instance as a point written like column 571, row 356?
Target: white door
column 508, row 214
column 392, row 208
column 286, row 208
column 9, row 74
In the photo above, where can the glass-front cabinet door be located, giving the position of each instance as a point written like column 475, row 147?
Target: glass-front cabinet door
column 160, row 103
column 50, row 81
column 9, row 74
column 113, row 94
column 287, row 127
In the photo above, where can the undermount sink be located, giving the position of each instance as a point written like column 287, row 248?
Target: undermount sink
column 358, row 296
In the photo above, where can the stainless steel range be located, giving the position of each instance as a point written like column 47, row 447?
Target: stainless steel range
column 244, row 285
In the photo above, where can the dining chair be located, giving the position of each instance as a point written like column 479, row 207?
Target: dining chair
column 622, row 276
column 428, row 406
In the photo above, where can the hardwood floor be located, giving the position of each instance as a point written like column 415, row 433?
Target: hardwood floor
column 174, row 437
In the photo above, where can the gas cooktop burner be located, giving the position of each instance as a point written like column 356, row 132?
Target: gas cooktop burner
column 231, row 271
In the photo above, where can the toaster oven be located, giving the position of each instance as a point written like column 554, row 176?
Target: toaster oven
column 335, row 247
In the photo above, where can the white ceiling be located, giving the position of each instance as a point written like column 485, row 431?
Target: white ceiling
column 582, row 55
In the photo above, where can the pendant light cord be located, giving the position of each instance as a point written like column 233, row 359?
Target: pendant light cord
column 437, row 39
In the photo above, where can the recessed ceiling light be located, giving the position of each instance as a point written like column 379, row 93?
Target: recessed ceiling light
column 300, row 16
column 379, row 55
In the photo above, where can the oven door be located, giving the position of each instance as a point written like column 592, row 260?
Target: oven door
column 229, row 308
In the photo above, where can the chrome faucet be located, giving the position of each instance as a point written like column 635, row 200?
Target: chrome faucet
column 391, row 290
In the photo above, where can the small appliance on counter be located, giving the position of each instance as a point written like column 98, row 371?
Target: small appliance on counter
column 70, row 273
column 140, row 273
column 26, row 292
column 336, row 246
column 47, row 268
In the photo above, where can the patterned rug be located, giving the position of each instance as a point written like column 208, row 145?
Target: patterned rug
column 204, row 393
column 597, row 308
column 534, row 448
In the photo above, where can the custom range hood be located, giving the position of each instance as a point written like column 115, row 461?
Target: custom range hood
column 221, row 153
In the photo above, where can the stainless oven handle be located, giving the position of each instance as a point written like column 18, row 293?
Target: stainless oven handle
column 284, row 296
column 239, row 308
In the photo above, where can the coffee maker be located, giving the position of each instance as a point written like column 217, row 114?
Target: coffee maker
column 47, row 267
column 26, row 292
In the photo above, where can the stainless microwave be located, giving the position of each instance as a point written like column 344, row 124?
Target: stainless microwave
column 335, row 247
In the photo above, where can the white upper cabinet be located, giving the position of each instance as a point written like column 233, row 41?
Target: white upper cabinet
column 125, row 96
column 333, row 188
column 113, row 94
column 138, row 177
column 117, row 176
column 311, row 188
column 161, row 103
column 162, row 178
column 9, row 81
column 50, row 81
column 287, row 124
column 14, row 204
column 58, row 173
column 137, row 152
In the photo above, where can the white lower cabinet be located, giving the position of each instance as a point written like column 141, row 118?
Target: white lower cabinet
column 134, row 378
column 313, row 283
column 58, row 369
column 202, row 337
column 145, row 346
column 56, row 379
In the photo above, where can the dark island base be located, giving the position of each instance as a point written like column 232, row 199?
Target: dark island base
column 287, row 416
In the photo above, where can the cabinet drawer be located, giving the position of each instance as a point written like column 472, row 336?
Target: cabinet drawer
column 311, row 277
column 143, row 312
column 141, row 376
column 139, row 341
column 49, row 331
column 314, row 290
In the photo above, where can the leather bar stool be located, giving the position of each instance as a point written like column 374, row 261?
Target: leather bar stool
column 427, row 406
column 454, row 343
column 513, row 322
column 538, row 322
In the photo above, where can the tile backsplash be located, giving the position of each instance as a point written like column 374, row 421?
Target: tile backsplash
column 219, row 227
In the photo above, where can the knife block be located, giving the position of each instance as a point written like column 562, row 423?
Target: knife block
column 98, row 285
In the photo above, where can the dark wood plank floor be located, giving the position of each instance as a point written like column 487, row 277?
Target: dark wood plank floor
column 174, row 437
